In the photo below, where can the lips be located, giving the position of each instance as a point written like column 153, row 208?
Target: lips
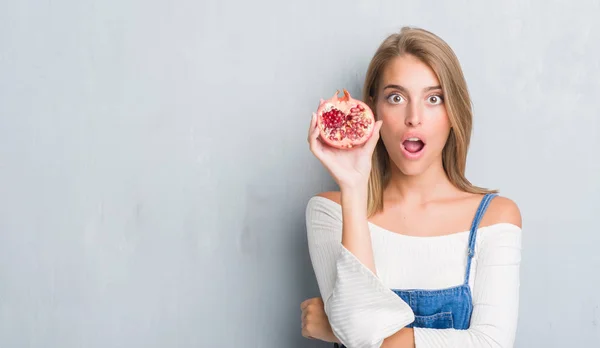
column 413, row 146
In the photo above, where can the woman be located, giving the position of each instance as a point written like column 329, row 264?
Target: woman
column 409, row 253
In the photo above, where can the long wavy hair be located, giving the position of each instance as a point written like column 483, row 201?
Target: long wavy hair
column 436, row 53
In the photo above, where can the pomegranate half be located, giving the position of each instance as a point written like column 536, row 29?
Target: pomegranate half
column 344, row 122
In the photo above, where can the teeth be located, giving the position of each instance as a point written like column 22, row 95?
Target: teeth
column 413, row 139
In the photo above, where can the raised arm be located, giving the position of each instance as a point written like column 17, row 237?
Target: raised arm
column 362, row 311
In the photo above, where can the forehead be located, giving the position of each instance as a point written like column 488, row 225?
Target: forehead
column 409, row 72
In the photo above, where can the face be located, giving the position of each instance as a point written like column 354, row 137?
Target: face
column 415, row 123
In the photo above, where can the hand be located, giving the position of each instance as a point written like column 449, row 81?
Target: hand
column 315, row 324
column 349, row 168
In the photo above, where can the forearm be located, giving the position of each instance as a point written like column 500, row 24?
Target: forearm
column 355, row 229
column 361, row 309
column 402, row 339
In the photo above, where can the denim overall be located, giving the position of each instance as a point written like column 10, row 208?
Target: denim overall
column 448, row 308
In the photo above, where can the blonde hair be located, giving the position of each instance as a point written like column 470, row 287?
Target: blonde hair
column 436, row 53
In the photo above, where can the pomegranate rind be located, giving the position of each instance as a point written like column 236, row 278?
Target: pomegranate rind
column 345, row 104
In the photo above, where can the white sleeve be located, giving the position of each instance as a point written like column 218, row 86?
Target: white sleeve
column 495, row 297
column 362, row 311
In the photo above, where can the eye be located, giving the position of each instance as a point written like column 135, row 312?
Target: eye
column 436, row 99
column 395, row 98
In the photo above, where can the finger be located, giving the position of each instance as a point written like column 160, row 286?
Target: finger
column 372, row 142
column 315, row 300
column 307, row 332
column 315, row 131
column 316, row 146
column 313, row 124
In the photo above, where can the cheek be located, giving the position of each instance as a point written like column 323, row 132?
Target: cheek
column 440, row 126
column 393, row 124
column 392, row 116
column 443, row 122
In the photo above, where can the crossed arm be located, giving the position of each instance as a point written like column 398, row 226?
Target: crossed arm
column 363, row 312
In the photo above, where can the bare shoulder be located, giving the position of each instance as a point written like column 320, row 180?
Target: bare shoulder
column 335, row 196
column 502, row 210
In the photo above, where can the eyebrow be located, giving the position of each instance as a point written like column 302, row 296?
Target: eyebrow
column 403, row 89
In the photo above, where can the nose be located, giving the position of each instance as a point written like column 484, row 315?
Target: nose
column 414, row 115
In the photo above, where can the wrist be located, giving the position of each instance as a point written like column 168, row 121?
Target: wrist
column 403, row 338
column 355, row 190
column 354, row 204
column 354, row 198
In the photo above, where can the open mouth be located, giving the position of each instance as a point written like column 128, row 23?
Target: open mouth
column 413, row 145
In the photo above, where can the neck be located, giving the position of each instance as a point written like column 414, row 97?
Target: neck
column 430, row 185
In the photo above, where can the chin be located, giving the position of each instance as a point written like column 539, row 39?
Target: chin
column 413, row 164
column 412, row 169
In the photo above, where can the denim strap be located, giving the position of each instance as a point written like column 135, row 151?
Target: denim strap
column 483, row 205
